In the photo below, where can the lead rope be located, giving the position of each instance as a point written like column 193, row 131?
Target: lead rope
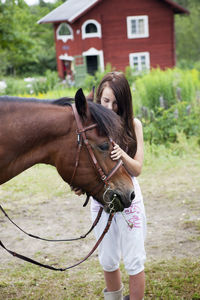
column 30, row 260
column 61, row 240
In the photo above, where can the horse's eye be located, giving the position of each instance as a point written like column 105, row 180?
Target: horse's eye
column 104, row 147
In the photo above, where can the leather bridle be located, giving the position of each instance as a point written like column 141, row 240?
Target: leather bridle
column 81, row 134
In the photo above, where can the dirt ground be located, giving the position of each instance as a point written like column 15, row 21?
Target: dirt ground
column 171, row 198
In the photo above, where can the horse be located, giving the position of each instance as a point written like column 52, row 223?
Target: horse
column 52, row 132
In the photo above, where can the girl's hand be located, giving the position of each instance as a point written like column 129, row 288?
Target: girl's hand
column 77, row 191
column 116, row 153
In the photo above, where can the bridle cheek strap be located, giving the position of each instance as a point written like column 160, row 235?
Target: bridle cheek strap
column 110, row 174
column 114, row 169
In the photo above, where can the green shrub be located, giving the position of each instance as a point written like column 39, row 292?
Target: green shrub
column 167, row 124
column 47, row 83
column 165, row 88
column 15, row 86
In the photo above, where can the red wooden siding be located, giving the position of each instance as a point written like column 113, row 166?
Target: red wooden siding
column 112, row 15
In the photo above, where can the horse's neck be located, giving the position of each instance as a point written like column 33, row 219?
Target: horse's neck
column 29, row 134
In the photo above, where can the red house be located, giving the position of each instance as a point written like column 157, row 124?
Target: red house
column 91, row 33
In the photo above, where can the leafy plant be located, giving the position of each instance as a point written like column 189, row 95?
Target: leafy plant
column 47, row 83
column 164, row 88
column 15, row 86
column 169, row 123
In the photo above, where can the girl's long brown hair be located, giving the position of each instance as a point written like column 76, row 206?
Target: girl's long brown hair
column 119, row 84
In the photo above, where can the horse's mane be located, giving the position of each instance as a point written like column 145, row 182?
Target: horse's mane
column 109, row 123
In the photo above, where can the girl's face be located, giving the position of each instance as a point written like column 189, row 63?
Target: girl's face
column 108, row 99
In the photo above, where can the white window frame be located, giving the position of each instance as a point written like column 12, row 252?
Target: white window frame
column 64, row 38
column 93, row 34
column 137, row 35
column 139, row 55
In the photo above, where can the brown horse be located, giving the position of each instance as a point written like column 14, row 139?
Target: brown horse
column 35, row 131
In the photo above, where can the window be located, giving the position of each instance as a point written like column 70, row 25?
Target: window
column 139, row 61
column 137, row 27
column 64, row 32
column 90, row 29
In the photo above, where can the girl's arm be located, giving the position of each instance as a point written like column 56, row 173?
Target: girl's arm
column 133, row 165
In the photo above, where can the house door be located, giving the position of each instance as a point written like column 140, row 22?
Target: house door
column 92, row 64
column 66, row 67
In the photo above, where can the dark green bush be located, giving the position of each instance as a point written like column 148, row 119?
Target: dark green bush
column 167, row 124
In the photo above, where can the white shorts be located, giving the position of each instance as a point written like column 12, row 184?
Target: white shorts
column 121, row 240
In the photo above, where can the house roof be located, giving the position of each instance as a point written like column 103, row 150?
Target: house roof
column 71, row 10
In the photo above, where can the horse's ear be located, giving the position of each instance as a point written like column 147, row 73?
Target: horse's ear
column 81, row 103
column 90, row 97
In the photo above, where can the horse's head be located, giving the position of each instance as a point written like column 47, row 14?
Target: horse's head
column 97, row 174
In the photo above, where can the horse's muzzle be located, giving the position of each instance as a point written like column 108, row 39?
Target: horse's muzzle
column 115, row 201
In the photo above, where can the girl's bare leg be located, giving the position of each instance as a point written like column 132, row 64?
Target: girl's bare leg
column 113, row 280
column 137, row 286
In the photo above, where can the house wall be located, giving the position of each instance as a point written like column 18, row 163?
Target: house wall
column 114, row 42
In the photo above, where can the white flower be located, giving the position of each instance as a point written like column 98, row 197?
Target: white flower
column 3, row 86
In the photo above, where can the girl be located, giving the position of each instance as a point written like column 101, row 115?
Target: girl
column 127, row 232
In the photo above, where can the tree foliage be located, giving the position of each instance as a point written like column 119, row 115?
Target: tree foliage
column 26, row 47
column 187, row 33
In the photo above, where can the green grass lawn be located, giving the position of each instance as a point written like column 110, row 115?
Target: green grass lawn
column 170, row 279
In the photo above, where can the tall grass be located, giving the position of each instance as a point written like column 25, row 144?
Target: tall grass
column 168, row 102
column 168, row 87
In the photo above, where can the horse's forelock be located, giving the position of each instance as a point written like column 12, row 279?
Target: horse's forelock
column 109, row 123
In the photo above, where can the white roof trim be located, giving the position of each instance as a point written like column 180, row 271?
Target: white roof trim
column 66, row 57
column 91, row 51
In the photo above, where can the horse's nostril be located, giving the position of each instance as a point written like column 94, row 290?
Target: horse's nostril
column 132, row 195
